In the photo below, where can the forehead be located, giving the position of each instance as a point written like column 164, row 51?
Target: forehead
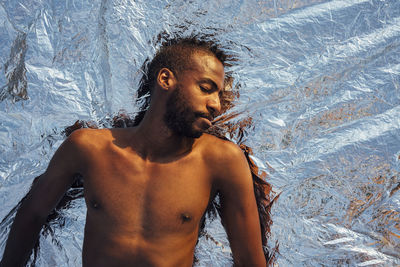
column 208, row 66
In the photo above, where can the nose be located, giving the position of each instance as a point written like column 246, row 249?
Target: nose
column 214, row 104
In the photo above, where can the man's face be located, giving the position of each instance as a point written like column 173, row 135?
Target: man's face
column 196, row 100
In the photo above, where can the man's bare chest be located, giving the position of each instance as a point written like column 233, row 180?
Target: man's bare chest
column 147, row 198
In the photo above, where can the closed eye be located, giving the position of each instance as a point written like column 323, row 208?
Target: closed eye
column 208, row 85
column 204, row 89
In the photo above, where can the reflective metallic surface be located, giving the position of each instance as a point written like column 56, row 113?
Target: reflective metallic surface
column 320, row 81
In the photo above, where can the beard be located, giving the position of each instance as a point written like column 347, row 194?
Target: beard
column 179, row 116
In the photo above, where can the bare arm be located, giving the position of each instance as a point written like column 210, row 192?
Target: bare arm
column 239, row 211
column 40, row 201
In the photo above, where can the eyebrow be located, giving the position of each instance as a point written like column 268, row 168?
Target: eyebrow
column 209, row 81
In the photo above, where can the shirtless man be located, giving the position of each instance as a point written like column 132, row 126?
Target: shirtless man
column 147, row 187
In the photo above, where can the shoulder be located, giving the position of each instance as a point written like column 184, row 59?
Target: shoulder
column 86, row 142
column 224, row 157
column 80, row 146
column 87, row 133
column 221, row 150
column 89, row 137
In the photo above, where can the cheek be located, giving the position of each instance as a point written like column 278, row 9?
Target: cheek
column 183, row 106
column 187, row 102
column 189, row 97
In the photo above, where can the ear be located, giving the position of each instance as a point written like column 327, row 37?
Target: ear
column 166, row 79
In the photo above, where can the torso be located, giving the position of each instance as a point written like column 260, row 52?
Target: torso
column 143, row 213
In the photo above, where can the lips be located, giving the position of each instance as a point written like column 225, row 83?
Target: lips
column 205, row 116
column 207, row 121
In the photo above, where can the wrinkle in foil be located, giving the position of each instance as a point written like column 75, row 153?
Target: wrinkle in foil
column 319, row 80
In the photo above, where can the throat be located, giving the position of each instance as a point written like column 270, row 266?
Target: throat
column 164, row 149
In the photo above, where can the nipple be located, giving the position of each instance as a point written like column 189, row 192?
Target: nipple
column 185, row 217
column 95, row 205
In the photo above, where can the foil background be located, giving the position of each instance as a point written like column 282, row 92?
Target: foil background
column 320, row 80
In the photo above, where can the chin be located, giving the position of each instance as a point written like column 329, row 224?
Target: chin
column 198, row 130
column 194, row 132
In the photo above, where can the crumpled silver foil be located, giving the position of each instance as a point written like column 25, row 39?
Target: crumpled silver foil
column 320, row 80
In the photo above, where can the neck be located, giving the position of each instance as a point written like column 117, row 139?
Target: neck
column 156, row 142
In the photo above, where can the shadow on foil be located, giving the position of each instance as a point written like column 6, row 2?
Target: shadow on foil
column 15, row 71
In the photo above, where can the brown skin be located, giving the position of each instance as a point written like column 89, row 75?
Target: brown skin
column 147, row 188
